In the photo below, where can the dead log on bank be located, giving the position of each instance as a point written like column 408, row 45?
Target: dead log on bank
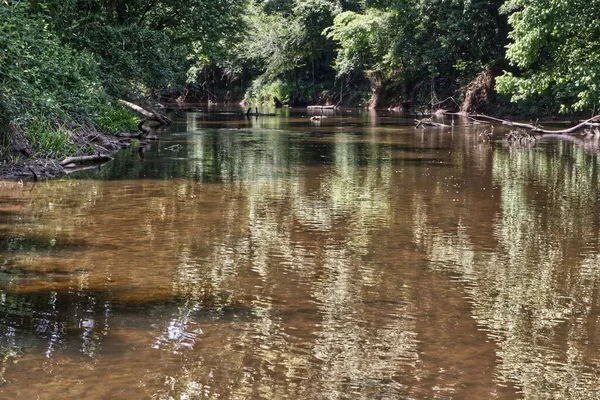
column 85, row 159
column 537, row 128
column 150, row 115
column 72, row 168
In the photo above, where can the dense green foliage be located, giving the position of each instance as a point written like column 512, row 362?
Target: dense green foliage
column 62, row 61
column 418, row 49
column 40, row 75
column 286, row 47
column 147, row 46
column 556, row 47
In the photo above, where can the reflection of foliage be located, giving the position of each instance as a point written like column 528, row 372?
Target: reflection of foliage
column 534, row 287
column 256, row 274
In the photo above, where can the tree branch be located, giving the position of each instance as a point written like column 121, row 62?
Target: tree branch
column 537, row 129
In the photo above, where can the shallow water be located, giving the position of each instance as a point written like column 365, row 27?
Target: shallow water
column 356, row 258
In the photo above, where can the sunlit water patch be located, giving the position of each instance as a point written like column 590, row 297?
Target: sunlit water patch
column 278, row 258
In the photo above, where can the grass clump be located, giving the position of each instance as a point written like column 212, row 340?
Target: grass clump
column 49, row 141
column 114, row 118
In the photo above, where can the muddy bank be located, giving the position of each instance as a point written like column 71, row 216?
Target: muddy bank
column 92, row 148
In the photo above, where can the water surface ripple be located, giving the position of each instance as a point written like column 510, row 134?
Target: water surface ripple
column 274, row 258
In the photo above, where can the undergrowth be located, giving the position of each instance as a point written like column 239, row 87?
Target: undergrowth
column 47, row 140
column 114, row 118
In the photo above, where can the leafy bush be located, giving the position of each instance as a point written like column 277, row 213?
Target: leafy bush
column 39, row 74
column 265, row 93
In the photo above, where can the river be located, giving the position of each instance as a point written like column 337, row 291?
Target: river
column 354, row 257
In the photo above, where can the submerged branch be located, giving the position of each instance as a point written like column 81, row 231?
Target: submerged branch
column 428, row 122
column 537, row 129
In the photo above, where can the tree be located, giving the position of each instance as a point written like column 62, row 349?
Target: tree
column 286, row 41
column 414, row 50
column 556, row 50
column 149, row 46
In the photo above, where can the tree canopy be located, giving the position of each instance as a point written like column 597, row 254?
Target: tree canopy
column 555, row 46
column 64, row 58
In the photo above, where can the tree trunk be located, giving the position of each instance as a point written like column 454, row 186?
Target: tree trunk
column 151, row 115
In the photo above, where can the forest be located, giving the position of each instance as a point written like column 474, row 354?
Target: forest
column 63, row 64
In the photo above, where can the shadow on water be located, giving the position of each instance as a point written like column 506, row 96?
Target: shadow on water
column 358, row 258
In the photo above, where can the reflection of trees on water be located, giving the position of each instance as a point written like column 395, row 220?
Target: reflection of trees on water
column 51, row 309
column 536, row 290
column 284, row 217
column 267, row 285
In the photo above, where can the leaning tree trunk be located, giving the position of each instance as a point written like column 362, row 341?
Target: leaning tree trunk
column 151, row 115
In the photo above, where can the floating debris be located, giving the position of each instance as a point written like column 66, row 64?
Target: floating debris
column 175, row 147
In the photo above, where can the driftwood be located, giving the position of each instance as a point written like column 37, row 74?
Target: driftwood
column 85, row 159
column 321, row 107
column 150, row 115
column 72, row 168
column 538, row 129
column 429, row 122
column 126, row 135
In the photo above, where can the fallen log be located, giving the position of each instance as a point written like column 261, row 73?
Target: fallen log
column 151, row 115
column 161, row 118
column 85, row 159
column 72, row 168
column 429, row 122
column 538, row 129
column 321, row 107
column 125, row 135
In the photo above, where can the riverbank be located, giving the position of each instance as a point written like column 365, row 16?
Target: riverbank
column 20, row 162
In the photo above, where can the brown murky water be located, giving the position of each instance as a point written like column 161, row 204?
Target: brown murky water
column 357, row 258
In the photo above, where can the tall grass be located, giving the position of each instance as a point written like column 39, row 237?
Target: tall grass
column 47, row 141
column 114, row 118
